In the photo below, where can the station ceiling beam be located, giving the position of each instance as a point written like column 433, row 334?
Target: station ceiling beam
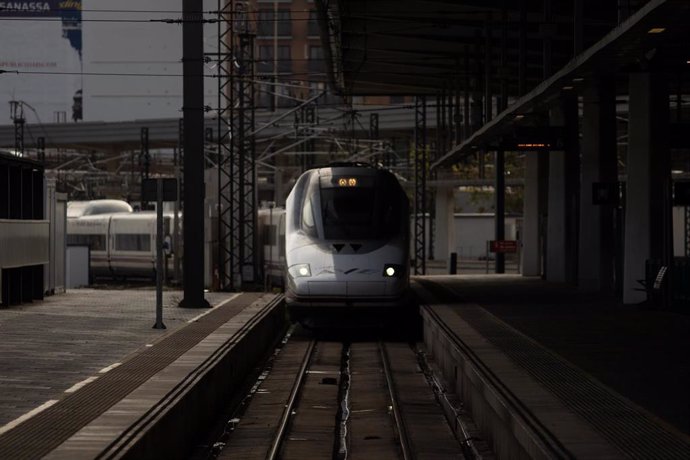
column 359, row 35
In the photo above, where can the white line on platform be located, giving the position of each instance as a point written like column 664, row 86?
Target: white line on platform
column 109, row 368
column 196, row 318
column 27, row 416
column 84, row 382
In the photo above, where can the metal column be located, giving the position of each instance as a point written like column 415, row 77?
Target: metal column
column 178, row 161
column 193, row 114
column 144, row 164
column 17, row 116
column 373, row 135
column 687, row 231
column 41, row 149
column 225, row 63
column 244, row 265
column 420, row 171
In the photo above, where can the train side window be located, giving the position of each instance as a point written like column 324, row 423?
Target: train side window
column 97, row 242
column 133, row 242
column 268, row 235
column 94, row 242
column 273, row 235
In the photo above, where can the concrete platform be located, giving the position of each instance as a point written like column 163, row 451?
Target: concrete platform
column 585, row 376
column 74, row 358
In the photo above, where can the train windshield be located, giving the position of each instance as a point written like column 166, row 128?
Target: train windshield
column 365, row 212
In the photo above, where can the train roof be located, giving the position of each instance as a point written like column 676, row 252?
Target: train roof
column 97, row 207
column 143, row 215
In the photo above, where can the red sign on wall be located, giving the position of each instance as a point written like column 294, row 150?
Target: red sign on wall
column 503, row 246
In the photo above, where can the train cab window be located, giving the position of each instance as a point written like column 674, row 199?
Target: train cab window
column 298, row 191
column 348, row 213
column 133, row 242
column 369, row 211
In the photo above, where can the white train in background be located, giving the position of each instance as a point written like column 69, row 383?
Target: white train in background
column 346, row 245
column 272, row 246
column 122, row 243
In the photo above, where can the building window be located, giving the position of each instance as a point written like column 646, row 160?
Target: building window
column 265, row 62
column 264, row 26
column 316, row 60
column 284, row 59
column 284, row 23
column 269, row 22
column 313, row 28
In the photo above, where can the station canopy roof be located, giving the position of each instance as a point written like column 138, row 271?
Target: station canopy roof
column 420, row 47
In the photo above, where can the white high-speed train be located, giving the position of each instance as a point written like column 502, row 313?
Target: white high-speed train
column 122, row 243
column 346, row 245
column 272, row 246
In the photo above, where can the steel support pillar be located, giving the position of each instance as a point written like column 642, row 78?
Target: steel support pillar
column 648, row 204
column 499, row 205
column 522, row 48
column 531, row 237
column 193, row 114
column 563, row 196
column 687, row 231
column 17, row 116
column 236, row 265
column 420, row 174
column 226, row 97
column 305, row 131
column 546, row 40
column 41, row 149
column 599, row 165
column 144, row 163
column 467, row 125
column 178, row 161
column 571, row 138
column 245, row 266
column 374, row 134
column 374, row 125
column 499, row 159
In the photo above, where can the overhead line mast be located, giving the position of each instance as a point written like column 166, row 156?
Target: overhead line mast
column 237, row 257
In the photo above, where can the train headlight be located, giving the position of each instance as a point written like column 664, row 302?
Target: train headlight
column 300, row 270
column 393, row 271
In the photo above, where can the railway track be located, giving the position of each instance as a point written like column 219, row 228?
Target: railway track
column 342, row 400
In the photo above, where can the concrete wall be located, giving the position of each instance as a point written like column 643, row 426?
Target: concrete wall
column 472, row 231
column 24, row 244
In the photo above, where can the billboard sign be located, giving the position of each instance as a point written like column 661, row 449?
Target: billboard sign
column 41, row 56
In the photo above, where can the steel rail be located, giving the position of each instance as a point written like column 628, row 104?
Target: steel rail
column 289, row 405
column 400, row 423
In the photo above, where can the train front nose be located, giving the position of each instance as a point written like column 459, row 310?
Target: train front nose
column 354, row 280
